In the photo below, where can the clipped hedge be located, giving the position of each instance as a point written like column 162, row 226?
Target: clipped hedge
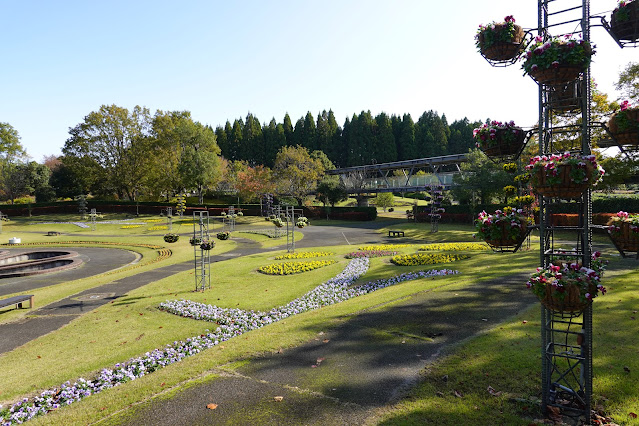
column 341, row 213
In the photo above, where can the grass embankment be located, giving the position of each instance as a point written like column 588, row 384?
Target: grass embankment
column 506, row 358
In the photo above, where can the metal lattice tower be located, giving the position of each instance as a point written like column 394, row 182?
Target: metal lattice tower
column 169, row 218
column 202, row 257
column 229, row 219
column 292, row 214
column 566, row 337
column 93, row 216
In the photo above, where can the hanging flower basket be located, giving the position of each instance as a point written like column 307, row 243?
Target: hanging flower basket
column 224, row 235
column 500, row 41
column 505, row 228
column 278, row 222
column 557, row 61
column 624, row 125
column 499, row 139
column 564, row 176
column 624, row 23
column 624, row 231
column 207, row 245
column 194, row 241
column 171, row 238
column 567, row 298
column 568, row 287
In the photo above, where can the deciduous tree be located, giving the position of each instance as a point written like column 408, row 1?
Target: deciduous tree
column 296, row 172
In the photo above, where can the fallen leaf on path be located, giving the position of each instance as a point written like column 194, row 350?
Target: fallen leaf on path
column 326, row 340
column 554, row 413
column 278, row 398
column 211, row 406
column 493, row 392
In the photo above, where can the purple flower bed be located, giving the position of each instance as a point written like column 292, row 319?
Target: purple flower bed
column 369, row 254
column 231, row 322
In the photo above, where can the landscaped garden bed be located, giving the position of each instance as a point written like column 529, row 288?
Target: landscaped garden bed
column 289, row 268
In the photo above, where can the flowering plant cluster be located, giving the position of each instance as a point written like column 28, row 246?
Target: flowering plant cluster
column 369, row 254
column 454, row 247
column 130, row 226
column 239, row 214
column 171, row 238
column 510, row 167
column 223, row 235
column 489, row 35
column 556, row 52
column 490, row 134
column 301, row 222
column 277, row 222
column 151, row 220
column 524, row 200
column 581, row 171
column 615, row 222
column 510, row 190
column 622, row 11
column 426, row 259
column 383, row 247
column 289, row 268
column 303, row 255
column 559, row 277
column 195, row 241
column 523, row 178
column 335, row 290
column 159, row 228
column 624, row 118
column 490, row 227
column 207, row 245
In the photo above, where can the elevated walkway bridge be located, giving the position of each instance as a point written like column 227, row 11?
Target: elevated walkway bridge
column 401, row 176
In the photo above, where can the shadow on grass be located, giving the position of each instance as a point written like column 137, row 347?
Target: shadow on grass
column 371, row 358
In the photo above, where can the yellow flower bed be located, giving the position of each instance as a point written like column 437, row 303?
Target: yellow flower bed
column 454, row 246
column 426, row 259
column 288, row 268
column 130, row 226
column 383, row 247
column 152, row 220
column 304, row 255
column 159, row 228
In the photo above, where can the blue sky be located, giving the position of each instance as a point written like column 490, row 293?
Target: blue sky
column 222, row 59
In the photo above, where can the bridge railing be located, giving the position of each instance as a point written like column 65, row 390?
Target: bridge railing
column 414, row 181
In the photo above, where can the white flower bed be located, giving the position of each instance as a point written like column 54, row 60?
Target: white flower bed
column 231, row 323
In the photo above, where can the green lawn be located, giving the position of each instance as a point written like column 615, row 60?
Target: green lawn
column 505, row 358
